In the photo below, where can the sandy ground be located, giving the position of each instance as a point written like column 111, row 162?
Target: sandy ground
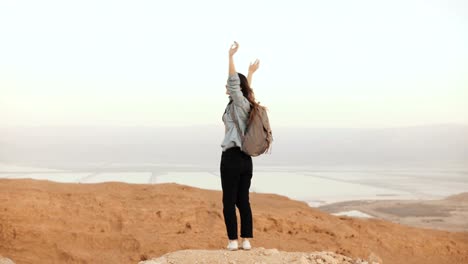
column 449, row 214
column 257, row 255
column 48, row 222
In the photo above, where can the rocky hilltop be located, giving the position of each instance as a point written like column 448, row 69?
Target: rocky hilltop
column 48, row 222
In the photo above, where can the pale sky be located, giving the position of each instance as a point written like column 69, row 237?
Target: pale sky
column 323, row 63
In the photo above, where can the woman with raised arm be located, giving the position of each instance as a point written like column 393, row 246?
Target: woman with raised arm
column 236, row 166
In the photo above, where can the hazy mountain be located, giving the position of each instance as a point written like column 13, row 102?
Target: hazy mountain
column 432, row 145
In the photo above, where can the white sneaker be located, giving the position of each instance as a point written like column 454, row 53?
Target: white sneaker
column 246, row 245
column 232, row 245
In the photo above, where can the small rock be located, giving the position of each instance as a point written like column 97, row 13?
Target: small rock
column 373, row 258
column 161, row 260
column 269, row 252
column 304, row 260
column 4, row 260
column 329, row 259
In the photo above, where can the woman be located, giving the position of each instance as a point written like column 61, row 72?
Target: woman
column 236, row 166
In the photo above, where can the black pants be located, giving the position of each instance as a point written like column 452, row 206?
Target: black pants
column 236, row 174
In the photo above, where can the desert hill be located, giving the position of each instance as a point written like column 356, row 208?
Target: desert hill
column 48, row 222
column 461, row 197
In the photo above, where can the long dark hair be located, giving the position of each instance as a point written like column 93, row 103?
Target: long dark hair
column 250, row 95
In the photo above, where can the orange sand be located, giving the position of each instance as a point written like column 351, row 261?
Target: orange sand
column 48, row 222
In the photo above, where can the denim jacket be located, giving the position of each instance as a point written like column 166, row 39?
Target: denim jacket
column 241, row 107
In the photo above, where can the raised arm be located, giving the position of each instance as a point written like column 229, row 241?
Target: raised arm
column 233, row 83
column 232, row 51
column 252, row 68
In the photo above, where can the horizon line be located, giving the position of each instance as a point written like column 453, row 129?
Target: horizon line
column 452, row 124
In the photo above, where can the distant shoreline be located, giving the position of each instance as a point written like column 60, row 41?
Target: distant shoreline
column 317, row 186
column 447, row 214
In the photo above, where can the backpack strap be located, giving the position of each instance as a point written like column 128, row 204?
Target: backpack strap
column 236, row 121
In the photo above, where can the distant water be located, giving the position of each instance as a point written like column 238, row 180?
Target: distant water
column 316, row 186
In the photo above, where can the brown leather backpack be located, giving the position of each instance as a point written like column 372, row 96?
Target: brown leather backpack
column 258, row 136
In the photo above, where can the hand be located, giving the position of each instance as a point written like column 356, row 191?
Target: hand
column 233, row 49
column 254, row 66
